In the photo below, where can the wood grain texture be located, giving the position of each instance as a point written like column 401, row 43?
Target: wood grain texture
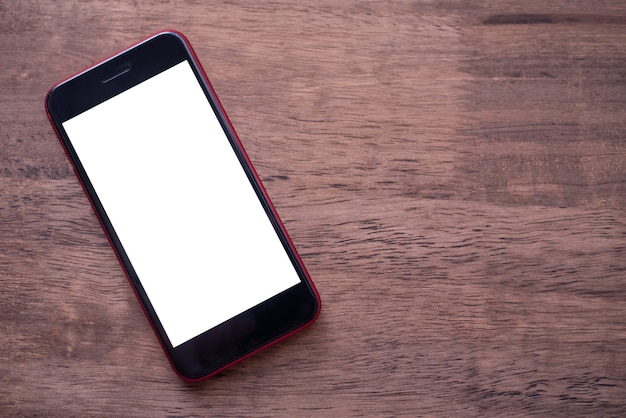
column 452, row 174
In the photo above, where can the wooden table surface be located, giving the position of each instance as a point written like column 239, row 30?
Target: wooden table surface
column 453, row 175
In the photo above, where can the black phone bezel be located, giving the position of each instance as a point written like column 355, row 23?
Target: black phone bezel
column 252, row 330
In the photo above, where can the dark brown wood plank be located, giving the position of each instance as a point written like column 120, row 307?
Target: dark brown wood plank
column 453, row 175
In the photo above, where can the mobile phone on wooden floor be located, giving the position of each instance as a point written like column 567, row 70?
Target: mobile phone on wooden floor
column 186, row 214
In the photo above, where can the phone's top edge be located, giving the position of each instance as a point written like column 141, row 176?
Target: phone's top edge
column 167, row 32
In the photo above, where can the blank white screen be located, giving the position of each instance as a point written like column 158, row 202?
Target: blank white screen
column 180, row 203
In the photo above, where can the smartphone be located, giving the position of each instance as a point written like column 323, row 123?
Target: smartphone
column 183, row 208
